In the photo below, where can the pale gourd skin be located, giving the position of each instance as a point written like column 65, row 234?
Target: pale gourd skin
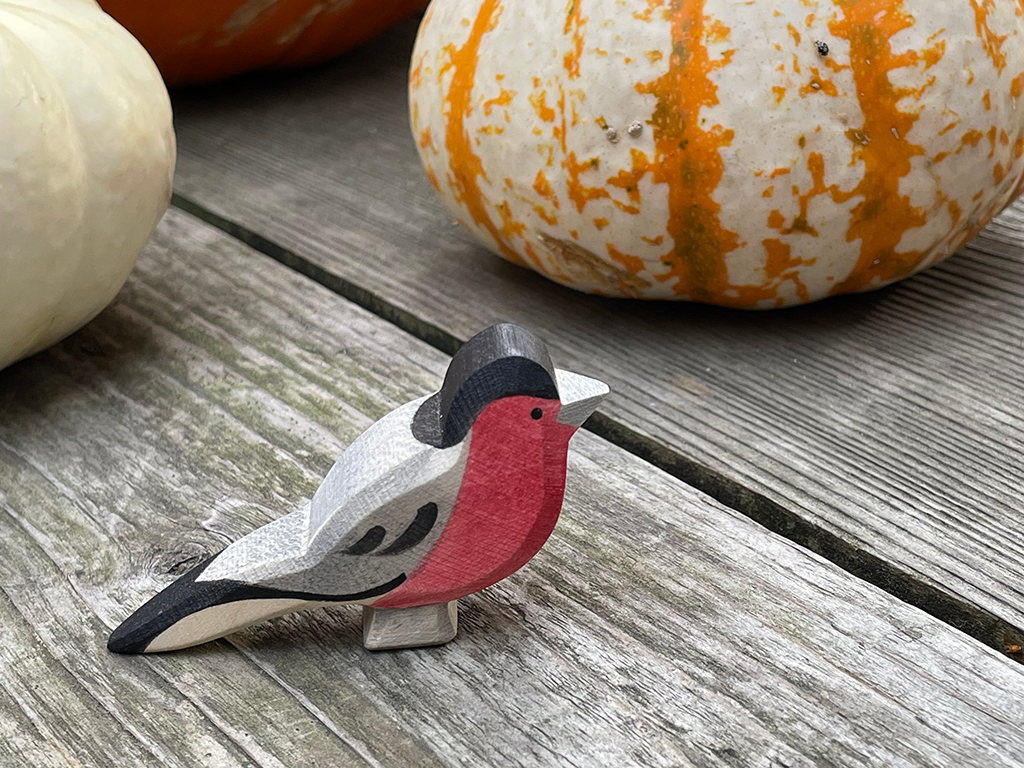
column 86, row 164
column 761, row 171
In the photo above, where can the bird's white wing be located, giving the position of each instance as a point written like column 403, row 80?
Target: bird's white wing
column 266, row 550
column 363, row 531
column 374, row 455
column 381, row 533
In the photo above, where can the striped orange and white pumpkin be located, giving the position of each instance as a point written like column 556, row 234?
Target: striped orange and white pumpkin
column 749, row 154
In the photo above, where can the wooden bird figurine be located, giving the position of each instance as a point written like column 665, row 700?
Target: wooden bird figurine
column 441, row 498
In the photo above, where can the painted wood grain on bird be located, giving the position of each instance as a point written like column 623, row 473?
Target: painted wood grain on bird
column 441, row 498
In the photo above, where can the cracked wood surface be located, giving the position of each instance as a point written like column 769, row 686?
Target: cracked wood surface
column 656, row 628
column 882, row 430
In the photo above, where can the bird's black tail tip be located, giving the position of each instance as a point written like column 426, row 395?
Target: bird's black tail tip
column 162, row 611
column 125, row 640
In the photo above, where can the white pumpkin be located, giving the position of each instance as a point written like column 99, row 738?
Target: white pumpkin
column 86, row 162
column 752, row 153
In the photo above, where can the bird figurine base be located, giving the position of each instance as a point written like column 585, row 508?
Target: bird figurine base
column 388, row 629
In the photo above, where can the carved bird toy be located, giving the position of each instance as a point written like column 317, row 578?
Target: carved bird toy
column 441, row 498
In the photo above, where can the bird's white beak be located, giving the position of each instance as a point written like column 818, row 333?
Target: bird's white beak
column 580, row 397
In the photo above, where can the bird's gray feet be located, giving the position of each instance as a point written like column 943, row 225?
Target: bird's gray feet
column 392, row 628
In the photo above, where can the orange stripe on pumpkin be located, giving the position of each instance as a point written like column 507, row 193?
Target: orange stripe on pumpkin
column 503, row 99
column 882, row 217
column 540, row 106
column 781, row 266
column 574, row 21
column 544, row 189
column 992, row 42
column 652, row 5
column 629, row 181
column 464, row 164
column 1017, row 86
column 688, row 160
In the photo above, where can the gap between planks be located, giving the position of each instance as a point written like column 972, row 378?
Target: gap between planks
column 982, row 625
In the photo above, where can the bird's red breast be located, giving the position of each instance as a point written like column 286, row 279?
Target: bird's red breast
column 507, row 505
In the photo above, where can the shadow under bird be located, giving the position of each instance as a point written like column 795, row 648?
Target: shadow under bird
column 441, row 498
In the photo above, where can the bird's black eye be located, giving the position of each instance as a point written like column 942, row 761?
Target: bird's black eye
column 536, row 413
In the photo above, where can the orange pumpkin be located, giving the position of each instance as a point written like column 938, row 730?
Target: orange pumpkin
column 200, row 40
column 749, row 154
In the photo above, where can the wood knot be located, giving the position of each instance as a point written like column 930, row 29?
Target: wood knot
column 182, row 559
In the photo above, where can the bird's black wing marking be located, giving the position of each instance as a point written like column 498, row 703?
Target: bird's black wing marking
column 187, row 596
column 417, row 531
column 370, row 541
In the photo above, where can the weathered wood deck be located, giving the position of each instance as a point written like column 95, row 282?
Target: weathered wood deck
column 790, row 539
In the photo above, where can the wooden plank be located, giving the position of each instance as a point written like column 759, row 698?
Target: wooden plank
column 881, row 430
column 657, row 628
